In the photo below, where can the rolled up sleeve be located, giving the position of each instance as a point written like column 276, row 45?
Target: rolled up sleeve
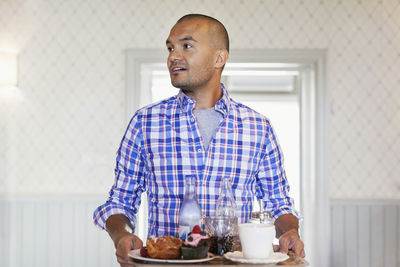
column 272, row 184
column 125, row 194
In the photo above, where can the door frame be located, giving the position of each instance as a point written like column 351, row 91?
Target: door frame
column 314, row 123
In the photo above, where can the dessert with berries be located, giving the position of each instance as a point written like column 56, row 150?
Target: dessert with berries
column 195, row 245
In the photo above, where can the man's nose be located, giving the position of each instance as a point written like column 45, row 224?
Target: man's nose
column 174, row 55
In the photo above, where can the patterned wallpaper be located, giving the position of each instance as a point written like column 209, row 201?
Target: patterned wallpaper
column 59, row 132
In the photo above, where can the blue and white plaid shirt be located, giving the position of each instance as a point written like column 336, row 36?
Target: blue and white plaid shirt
column 162, row 145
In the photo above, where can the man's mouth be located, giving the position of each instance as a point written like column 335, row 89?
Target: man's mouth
column 177, row 69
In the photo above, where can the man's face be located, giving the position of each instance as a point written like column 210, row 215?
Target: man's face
column 191, row 56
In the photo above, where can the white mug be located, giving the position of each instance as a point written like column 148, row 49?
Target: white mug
column 256, row 239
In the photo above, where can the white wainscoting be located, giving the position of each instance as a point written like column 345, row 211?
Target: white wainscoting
column 58, row 231
column 365, row 233
column 54, row 231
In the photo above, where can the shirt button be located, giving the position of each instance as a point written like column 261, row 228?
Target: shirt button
column 199, row 150
column 192, row 119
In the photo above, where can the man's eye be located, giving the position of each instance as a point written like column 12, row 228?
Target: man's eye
column 170, row 49
column 187, row 45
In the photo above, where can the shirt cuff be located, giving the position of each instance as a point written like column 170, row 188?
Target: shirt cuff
column 103, row 212
column 285, row 210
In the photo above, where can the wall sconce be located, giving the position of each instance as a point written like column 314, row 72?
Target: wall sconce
column 8, row 69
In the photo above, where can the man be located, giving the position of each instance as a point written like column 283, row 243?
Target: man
column 200, row 131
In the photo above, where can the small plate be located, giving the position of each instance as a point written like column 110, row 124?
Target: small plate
column 237, row 256
column 136, row 255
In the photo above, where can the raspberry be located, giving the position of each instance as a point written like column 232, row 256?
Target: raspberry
column 143, row 252
column 196, row 230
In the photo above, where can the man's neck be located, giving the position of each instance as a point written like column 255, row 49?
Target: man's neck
column 206, row 98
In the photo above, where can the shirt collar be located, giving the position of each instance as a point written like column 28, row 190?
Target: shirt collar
column 186, row 103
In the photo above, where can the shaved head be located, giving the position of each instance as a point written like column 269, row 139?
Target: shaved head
column 197, row 52
column 218, row 34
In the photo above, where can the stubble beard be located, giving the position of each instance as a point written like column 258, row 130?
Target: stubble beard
column 189, row 85
column 180, row 85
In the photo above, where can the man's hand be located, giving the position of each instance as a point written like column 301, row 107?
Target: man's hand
column 125, row 244
column 120, row 230
column 286, row 230
column 291, row 240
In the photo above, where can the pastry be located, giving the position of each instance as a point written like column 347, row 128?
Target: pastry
column 164, row 247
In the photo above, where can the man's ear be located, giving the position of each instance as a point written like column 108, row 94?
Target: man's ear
column 222, row 58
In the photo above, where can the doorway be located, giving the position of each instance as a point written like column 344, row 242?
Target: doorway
column 288, row 87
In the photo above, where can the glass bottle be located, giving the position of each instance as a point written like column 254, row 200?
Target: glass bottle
column 223, row 228
column 190, row 212
column 226, row 205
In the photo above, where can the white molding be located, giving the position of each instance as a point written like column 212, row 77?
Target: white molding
column 322, row 216
column 52, row 197
column 315, row 169
column 364, row 202
column 135, row 59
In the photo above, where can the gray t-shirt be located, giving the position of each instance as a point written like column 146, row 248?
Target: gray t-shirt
column 208, row 120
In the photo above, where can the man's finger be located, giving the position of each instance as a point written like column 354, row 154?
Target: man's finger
column 298, row 247
column 137, row 243
column 123, row 258
column 122, row 254
column 303, row 253
column 283, row 245
column 125, row 263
